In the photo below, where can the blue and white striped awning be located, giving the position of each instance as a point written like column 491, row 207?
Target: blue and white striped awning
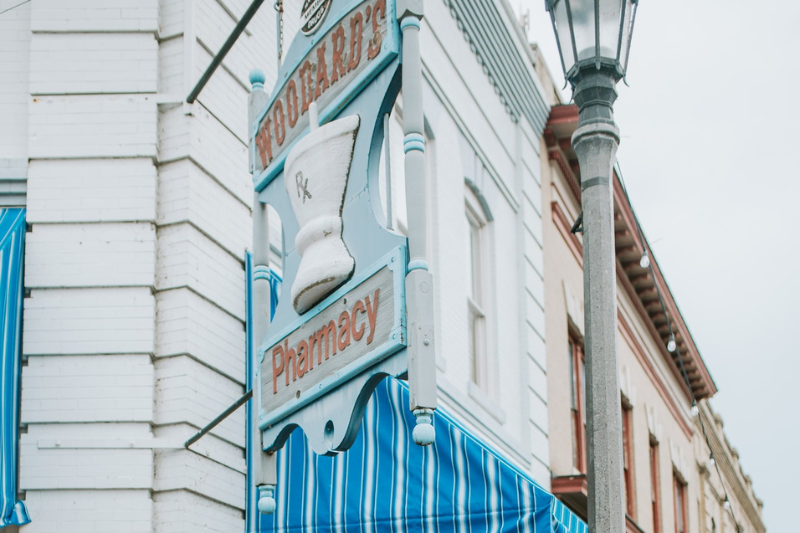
column 12, row 238
column 385, row 482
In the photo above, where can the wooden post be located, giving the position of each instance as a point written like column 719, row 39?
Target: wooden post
column 264, row 464
column 419, row 281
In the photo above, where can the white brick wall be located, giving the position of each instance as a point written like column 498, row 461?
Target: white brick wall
column 207, row 142
column 189, row 324
column 91, row 190
column 185, row 512
column 170, row 60
column 15, row 39
column 88, row 321
column 187, row 391
column 87, row 389
column 171, row 18
column 187, row 258
column 93, row 63
column 92, row 126
column 225, row 96
column 184, row 470
column 90, row 255
column 112, row 219
column 186, row 193
column 255, row 47
column 93, row 16
column 73, row 466
column 90, row 511
column 210, row 446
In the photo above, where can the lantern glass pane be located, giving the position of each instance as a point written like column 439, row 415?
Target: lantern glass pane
column 627, row 30
column 610, row 13
column 583, row 26
column 563, row 34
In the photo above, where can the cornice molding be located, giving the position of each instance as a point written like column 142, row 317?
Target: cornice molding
column 730, row 470
column 508, row 69
column 641, row 285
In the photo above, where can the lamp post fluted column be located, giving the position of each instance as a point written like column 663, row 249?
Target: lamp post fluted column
column 595, row 142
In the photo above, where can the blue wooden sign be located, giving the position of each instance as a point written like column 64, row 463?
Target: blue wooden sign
column 340, row 324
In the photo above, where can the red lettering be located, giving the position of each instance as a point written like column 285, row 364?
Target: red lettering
column 291, row 103
column 264, row 143
column 372, row 314
column 322, row 72
column 377, row 37
column 289, row 357
column 344, row 330
column 306, row 88
column 302, row 358
column 277, row 369
column 356, row 29
column 327, row 337
column 357, row 333
column 337, row 63
column 312, row 340
column 280, row 124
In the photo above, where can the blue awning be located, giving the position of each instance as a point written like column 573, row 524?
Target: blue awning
column 12, row 239
column 385, row 482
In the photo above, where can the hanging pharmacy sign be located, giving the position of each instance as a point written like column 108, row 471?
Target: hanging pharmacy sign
column 340, row 60
column 341, row 322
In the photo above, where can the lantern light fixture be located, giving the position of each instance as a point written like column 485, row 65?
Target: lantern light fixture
column 593, row 33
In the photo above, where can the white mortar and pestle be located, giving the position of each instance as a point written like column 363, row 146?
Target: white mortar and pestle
column 315, row 177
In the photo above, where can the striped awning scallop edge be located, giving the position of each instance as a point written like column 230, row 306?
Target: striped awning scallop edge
column 385, row 482
column 12, row 237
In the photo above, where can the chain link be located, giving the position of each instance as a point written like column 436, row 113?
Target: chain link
column 279, row 9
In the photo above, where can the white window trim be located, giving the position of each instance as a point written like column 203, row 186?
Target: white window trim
column 475, row 214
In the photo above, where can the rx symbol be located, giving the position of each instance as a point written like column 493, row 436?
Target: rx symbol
column 302, row 187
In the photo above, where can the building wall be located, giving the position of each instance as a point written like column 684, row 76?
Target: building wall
column 660, row 409
column 139, row 211
column 650, row 382
column 476, row 140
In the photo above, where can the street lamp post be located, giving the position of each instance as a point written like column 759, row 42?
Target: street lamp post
column 594, row 40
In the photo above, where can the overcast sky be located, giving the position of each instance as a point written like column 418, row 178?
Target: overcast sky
column 709, row 130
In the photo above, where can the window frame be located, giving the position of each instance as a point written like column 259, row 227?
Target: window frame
column 479, row 303
column 679, row 502
column 577, row 369
column 655, row 479
column 629, row 480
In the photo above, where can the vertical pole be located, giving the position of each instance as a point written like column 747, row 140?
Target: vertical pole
column 595, row 142
column 264, row 464
column 419, row 281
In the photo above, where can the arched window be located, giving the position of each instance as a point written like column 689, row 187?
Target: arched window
column 478, row 247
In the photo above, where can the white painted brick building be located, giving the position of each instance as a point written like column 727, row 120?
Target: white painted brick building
column 139, row 211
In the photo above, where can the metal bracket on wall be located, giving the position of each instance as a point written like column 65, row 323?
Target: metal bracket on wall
column 578, row 225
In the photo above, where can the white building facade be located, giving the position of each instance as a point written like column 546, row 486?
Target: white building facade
column 139, row 218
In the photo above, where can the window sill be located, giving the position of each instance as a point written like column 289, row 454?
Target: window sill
column 491, row 407
column 573, row 491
